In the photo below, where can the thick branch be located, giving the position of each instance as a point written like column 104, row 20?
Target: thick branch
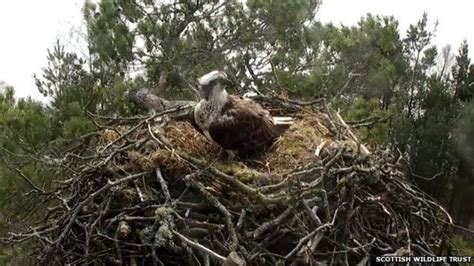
column 144, row 97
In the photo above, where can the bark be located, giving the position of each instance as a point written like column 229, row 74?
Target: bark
column 144, row 97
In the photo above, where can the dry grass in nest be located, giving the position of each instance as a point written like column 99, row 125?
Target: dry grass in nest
column 185, row 138
column 293, row 149
column 296, row 146
column 169, row 161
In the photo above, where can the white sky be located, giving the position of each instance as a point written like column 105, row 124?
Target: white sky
column 29, row 27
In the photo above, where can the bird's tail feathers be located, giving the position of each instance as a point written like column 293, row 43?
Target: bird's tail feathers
column 282, row 124
column 282, row 120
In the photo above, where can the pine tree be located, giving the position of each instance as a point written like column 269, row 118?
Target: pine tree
column 463, row 74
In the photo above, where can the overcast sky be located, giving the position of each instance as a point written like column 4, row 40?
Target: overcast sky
column 29, row 27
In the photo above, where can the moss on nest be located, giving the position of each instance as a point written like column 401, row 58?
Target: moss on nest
column 239, row 169
column 294, row 148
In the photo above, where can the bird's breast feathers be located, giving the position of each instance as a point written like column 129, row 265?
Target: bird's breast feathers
column 205, row 113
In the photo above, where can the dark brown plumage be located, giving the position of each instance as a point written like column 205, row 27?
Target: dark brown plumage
column 243, row 125
column 235, row 123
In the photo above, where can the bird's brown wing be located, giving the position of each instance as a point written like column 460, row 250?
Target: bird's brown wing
column 243, row 126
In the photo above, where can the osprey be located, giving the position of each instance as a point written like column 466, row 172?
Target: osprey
column 233, row 122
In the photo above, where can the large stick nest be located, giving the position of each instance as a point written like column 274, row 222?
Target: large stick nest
column 154, row 191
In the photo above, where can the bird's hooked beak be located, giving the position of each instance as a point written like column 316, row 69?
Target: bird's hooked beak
column 224, row 79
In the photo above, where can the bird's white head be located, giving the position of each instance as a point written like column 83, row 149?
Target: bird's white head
column 213, row 84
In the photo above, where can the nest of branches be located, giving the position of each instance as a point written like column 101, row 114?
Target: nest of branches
column 152, row 190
